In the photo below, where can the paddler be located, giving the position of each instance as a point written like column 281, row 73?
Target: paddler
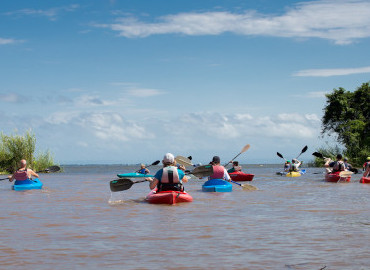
column 169, row 177
column 367, row 168
column 295, row 165
column 287, row 166
column 143, row 169
column 338, row 165
column 219, row 171
column 23, row 173
column 235, row 168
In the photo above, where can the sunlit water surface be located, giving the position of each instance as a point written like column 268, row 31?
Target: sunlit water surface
column 75, row 222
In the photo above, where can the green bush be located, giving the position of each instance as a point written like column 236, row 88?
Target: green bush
column 16, row 147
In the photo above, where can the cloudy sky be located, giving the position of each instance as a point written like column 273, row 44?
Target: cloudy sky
column 127, row 81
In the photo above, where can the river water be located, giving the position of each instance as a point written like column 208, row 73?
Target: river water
column 75, row 222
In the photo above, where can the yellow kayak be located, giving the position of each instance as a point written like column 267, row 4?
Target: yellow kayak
column 293, row 174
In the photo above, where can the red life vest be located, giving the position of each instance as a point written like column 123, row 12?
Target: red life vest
column 21, row 175
column 218, row 172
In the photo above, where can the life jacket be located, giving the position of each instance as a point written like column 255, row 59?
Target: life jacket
column 338, row 166
column 142, row 171
column 218, row 172
column 237, row 168
column 170, row 180
column 21, row 175
column 293, row 168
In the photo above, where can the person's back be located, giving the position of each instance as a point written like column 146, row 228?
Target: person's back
column 23, row 174
column 219, row 171
column 169, row 177
column 337, row 165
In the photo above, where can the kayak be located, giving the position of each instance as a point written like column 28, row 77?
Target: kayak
column 134, row 175
column 217, row 185
column 293, row 174
column 365, row 180
column 27, row 184
column 168, row 197
column 335, row 177
column 240, row 176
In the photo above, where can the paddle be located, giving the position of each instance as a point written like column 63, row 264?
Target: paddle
column 185, row 161
column 245, row 148
column 124, row 183
column 344, row 175
column 280, row 155
column 244, row 186
column 154, row 163
column 303, row 150
column 50, row 169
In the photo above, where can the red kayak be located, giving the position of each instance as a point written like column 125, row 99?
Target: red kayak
column 240, row 176
column 168, row 197
column 365, row 180
column 335, row 177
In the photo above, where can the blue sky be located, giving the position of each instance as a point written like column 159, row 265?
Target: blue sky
column 127, row 81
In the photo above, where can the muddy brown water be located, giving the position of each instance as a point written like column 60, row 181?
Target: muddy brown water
column 75, row 222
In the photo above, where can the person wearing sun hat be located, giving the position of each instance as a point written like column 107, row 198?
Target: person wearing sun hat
column 169, row 177
column 219, row 171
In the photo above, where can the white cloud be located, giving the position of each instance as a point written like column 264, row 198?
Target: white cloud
column 338, row 20
column 144, row 92
column 50, row 13
column 331, row 72
column 13, row 98
column 6, row 41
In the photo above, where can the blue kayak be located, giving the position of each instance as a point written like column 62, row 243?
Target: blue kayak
column 134, row 175
column 27, row 184
column 217, row 185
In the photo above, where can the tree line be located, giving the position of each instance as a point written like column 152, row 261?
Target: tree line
column 347, row 119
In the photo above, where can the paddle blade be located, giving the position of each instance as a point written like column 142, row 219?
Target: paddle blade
column 317, row 154
column 345, row 173
column 249, row 187
column 303, row 150
column 183, row 161
column 245, row 148
column 203, row 171
column 190, row 157
column 51, row 169
column 120, row 184
column 155, row 162
column 280, row 155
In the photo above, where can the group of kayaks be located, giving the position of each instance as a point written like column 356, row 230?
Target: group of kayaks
column 174, row 197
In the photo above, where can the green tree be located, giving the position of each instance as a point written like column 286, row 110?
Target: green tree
column 347, row 114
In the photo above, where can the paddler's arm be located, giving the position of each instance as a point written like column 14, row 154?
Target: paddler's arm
column 33, row 173
column 153, row 182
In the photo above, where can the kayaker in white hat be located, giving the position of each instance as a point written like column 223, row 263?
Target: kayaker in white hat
column 169, row 177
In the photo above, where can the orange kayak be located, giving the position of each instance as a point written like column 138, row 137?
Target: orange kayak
column 168, row 197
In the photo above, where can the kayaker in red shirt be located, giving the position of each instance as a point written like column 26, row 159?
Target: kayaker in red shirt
column 22, row 173
column 219, row 171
